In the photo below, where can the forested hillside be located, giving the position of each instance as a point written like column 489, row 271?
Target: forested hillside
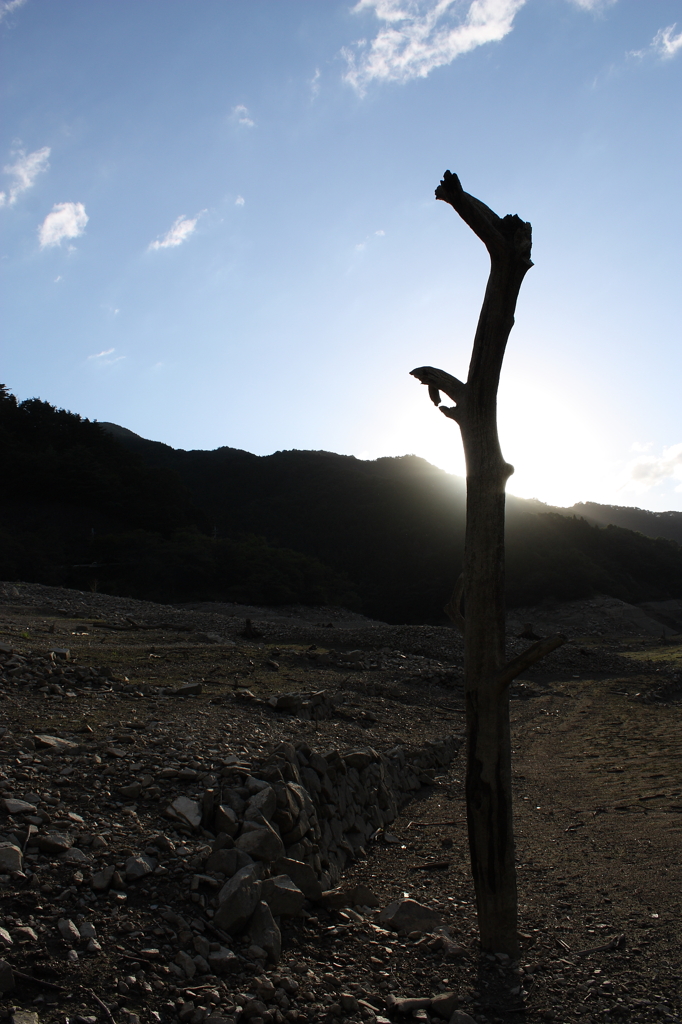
column 81, row 510
column 95, row 505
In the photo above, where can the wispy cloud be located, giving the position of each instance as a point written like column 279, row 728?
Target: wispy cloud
column 361, row 246
column 239, row 201
column 9, row 6
column 241, row 115
column 66, row 220
column 664, row 45
column 420, row 35
column 647, row 471
column 593, row 5
column 314, row 83
column 180, row 231
column 24, row 170
column 105, row 358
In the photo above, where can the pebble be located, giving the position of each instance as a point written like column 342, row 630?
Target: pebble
column 68, row 930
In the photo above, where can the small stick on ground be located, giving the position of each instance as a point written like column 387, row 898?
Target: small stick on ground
column 102, row 1005
column 38, row 981
column 430, row 824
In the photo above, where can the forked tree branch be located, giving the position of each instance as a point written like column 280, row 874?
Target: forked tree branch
column 495, row 232
column 527, row 658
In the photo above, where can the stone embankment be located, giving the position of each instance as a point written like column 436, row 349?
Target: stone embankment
column 285, row 832
column 281, row 831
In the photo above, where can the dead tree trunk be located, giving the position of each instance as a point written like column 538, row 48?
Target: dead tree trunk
column 487, row 678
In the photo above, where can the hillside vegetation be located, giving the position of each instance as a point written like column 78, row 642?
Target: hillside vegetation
column 94, row 505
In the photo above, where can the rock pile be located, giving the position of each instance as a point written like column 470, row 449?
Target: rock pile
column 279, row 832
column 314, row 707
column 53, row 673
column 286, row 831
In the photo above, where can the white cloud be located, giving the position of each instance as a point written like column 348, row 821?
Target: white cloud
column 24, row 171
column 420, row 35
column 665, row 43
column 66, row 220
column 239, row 201
column 314, row 83
column 181, row 229
column 9, row 6
column 380, row 233
column 649, row 470
column 241, row 115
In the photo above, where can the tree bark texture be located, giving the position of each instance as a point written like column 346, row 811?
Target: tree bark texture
column 488, row 779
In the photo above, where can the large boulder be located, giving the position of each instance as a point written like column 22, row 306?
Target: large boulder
column 238, row 898
column 302, row 875
column 10, row 857
column 282, row 896
column 261, row 843
column 262, row 804
column 265, row 933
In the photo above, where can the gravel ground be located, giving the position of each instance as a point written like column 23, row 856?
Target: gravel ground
column 598, row 796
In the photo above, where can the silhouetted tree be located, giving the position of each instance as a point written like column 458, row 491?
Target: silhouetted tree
column 486, row 676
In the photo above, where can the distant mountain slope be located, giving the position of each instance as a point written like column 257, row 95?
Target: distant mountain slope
column 395, row 527
column 95, row 505
column 651, row 524
column 79, row 508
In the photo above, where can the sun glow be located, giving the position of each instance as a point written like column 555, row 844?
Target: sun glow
column 558, row 451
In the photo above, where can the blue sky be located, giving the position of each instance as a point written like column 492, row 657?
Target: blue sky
column 219, row 225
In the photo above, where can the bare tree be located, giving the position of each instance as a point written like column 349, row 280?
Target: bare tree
column 486, row 673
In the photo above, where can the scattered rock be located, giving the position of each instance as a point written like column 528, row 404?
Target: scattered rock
column 54, row 842
column 138, row 867
column 238, row 899
column 188, row 690
column 68, row 930
column 185, row 810
column 265, row 933
column 55, row 744
column 25, row 1017
column 6, row 977
column 302, row 875
column 261, row 844
column 12, row 806
column 185, row 961
column 408, row 915
column 445, row 1004
column 282, row 896
column 10, row 857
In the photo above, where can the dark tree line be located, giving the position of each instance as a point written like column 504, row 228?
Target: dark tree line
column 312, row 527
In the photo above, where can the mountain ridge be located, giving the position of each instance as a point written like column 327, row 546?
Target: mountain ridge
column 93, row 506
column 667, row 525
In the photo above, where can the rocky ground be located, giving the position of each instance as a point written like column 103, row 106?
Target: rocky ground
column 118, row 717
